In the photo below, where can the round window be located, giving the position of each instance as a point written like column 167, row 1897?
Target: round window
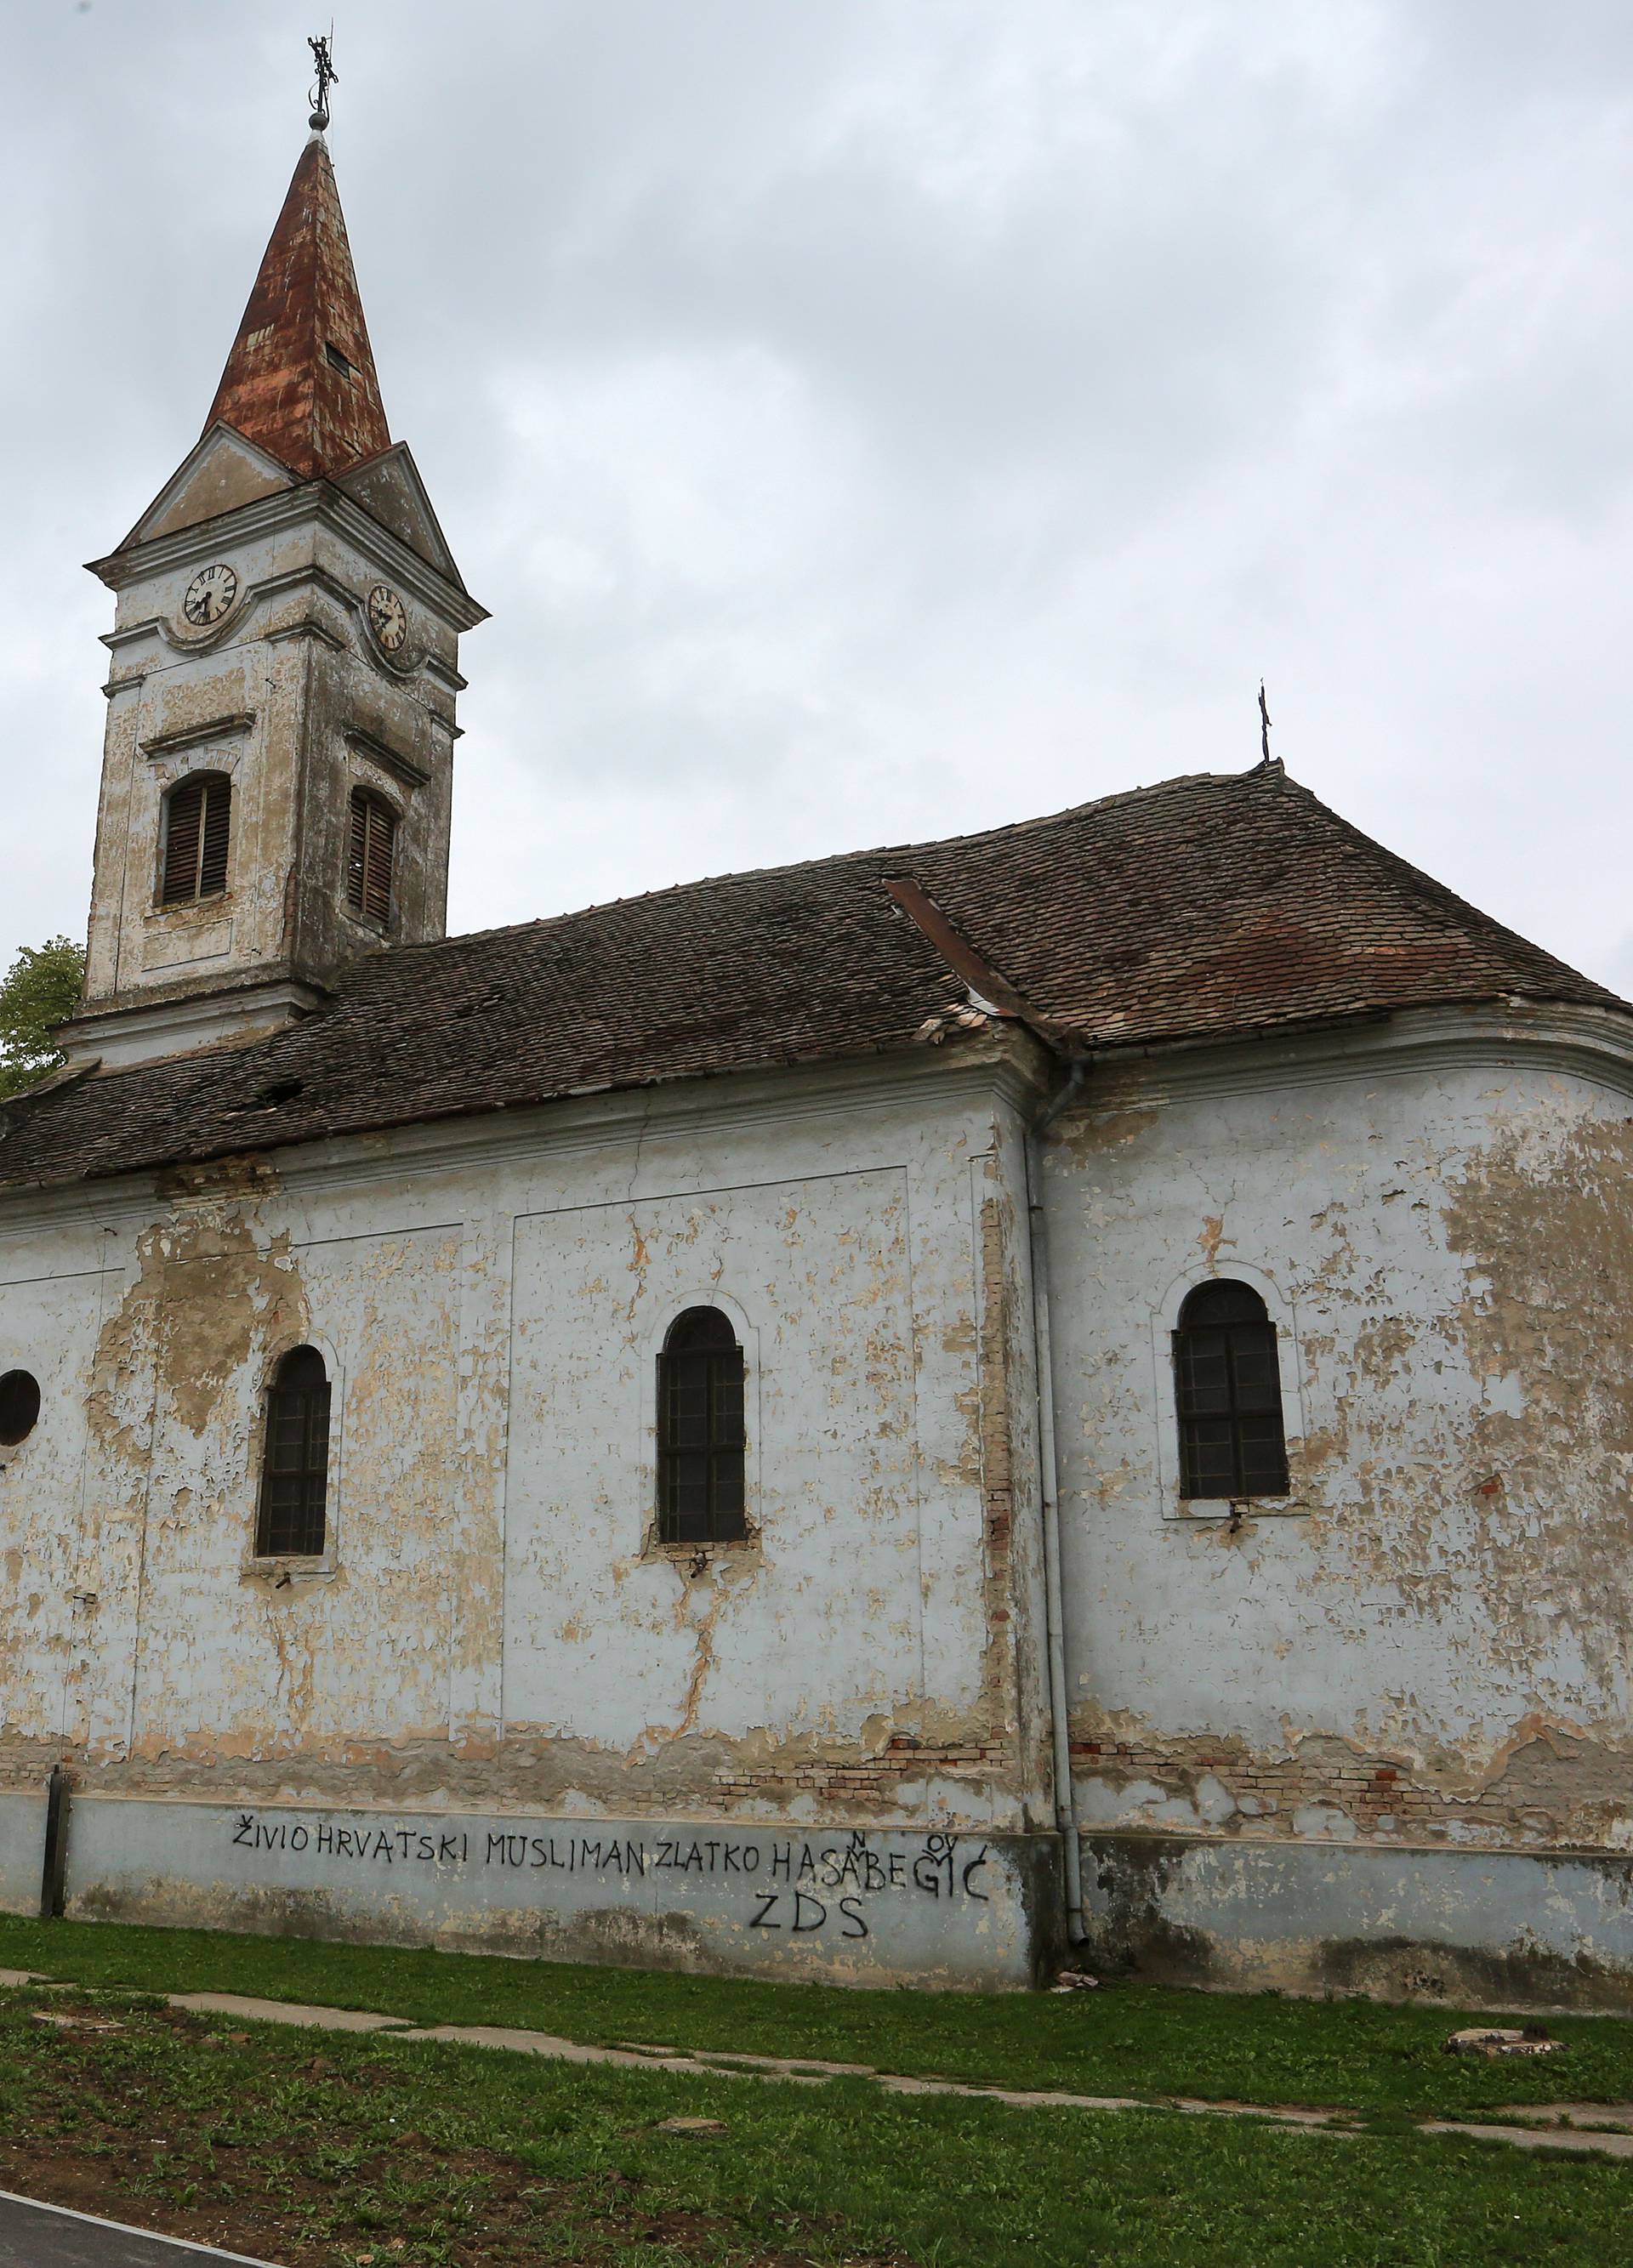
column 20, row 1407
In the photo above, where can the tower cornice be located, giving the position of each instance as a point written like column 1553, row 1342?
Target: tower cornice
column 312, row 501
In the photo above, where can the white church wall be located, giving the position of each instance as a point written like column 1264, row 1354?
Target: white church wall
column 492, row 1625
column 1426, row 1643
column 601, row 1636
column 50, row 1311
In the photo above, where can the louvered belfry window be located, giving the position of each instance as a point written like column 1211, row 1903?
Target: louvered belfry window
column 198, row 827
column 1228, row 1379
column 701, row 1431
column 369, row 856
column 294, row 1466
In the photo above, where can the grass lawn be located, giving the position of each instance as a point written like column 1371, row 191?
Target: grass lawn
column 314, row 2149
column 1128, row 2038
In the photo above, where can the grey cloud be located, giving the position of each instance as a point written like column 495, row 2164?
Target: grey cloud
column 869, row 420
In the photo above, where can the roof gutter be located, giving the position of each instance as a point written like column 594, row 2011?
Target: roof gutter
column 1000, row 996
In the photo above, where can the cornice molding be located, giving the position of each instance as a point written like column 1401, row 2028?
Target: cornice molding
column 999, row 1064
column 402, row 766
column 223, row 728
column 275, row 513
column 1577, row 1041
column 984, row 1071
column 171, row 1020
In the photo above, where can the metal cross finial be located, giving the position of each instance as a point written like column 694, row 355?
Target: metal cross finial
column 1264, row 721
column 326, row 75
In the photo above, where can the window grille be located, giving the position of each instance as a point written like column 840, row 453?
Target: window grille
column 369, row 856
column 1228, row 1381
column 294, row 1467
column 700, row 1432
column 198, row 825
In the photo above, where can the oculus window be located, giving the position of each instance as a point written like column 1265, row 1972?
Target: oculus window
column 20, row 1407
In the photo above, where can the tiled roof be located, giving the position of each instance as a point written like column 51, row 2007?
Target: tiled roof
column 1200, row 907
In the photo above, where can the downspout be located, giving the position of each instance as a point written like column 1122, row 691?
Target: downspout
column 993, row 992
column 1048, row 1473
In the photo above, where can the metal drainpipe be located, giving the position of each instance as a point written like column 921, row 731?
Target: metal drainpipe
column 1064, row 1797
column 55, row 1868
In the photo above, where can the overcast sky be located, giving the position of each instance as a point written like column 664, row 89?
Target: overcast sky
column 869, row 420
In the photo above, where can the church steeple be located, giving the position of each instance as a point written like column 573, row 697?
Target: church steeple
column 278, row 773
column 300, row 380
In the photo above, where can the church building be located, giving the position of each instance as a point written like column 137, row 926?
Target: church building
column 1064, row 1395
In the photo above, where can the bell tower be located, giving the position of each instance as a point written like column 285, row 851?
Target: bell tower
column 277, row 770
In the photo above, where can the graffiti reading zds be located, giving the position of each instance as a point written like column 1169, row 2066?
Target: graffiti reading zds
column 791, row 1884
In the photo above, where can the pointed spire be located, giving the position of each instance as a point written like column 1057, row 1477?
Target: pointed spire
column 300, row 378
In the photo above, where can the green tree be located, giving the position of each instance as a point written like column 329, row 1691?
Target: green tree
column 40, row 990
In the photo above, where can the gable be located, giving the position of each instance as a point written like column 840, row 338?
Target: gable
column 389, row 489
column 223, row 471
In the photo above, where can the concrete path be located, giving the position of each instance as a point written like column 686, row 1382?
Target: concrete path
column 49, row 2237
column 1542, row 2131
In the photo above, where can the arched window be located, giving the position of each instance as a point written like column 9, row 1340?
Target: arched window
column 371, row 848
column 198, row 827
column 294, row 1465
column 700, row 1437
column 1229, row 1393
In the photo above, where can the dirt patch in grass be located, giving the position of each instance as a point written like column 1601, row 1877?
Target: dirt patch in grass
column 266, row 2149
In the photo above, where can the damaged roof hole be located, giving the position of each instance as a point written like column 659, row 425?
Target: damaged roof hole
column 481, row 1005
column 337, row 360
column 281, row 1090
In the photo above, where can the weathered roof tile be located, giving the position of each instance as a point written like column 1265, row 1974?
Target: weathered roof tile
column 1200, row 907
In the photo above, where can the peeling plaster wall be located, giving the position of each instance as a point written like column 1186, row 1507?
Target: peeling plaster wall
column 1421, row 1650
column 1428, row 1645
column 493, row 1626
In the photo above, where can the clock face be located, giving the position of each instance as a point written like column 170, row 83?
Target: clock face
column 388, row 617
column 209, row 595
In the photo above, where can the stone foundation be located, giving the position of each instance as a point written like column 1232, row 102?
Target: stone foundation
column 22, row 1850
column 839, row 1905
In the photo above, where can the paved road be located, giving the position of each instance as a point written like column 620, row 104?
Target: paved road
column 41, row 2236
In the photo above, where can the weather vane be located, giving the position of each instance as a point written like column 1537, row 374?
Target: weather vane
column 1264, row 721
column 325, row 79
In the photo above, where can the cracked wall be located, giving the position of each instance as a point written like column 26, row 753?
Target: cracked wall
column 493, row 1622
column 1429, row 1645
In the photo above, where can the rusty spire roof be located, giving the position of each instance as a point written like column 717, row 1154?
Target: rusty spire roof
column 300, row 378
